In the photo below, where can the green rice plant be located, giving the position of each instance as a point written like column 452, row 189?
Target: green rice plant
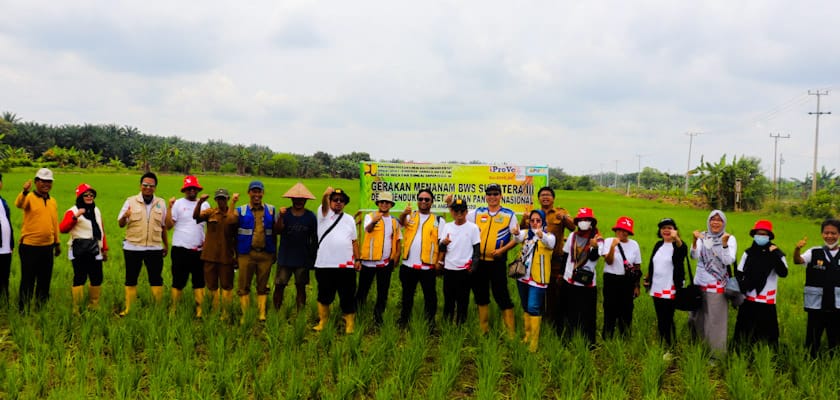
column 695, row 364
column 653, row 370
column 450, row 351
column 12, row 381
column 578, row 370
column 490, row 366
column 532, row 382
column 738, row 383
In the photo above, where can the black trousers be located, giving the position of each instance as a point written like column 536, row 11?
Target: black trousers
column 582, row 302
column 186, row 263
column 491, row 275
column 819, row 321
column 134, row 261
column 337, row 280
column 85, row 267
column 456, row 295
column 756, row 322
column 665, row 320
column 618, row 304
column 410, row 277
column 5, row 271
column 36, row 267
column 383, row 284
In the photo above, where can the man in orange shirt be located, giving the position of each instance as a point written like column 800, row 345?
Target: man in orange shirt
column 39, row 241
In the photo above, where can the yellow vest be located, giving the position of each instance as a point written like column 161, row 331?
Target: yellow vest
column 374, row 242
column 428, row 237
column 144, row 229
column 495, row 230
column 541, row 264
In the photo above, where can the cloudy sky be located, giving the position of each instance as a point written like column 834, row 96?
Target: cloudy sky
column 570, row 84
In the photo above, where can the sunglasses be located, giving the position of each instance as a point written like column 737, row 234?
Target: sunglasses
column 90, row 195
column 148, row 185
column 424, row 199
column 338, row 200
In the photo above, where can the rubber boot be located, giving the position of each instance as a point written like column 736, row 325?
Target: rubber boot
column 277, row 297
column 244, row 302
column 215, row 299
column 510, row 323
column 157, row 294
column 484, row 319
column 323, row 315
column 198, row 294
column 262, row 299
column 526, row 319
column 349, row 323
column 78, row 297
column 227, row 300
column 535, row 334
column 176, row 296
column 130, row 297
column 94, row 293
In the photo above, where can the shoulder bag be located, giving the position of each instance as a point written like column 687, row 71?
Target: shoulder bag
column 690, row 297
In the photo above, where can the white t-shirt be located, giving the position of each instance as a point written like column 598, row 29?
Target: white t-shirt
column 570, row 264
column 386, row 245
column 768, row 293
column 336, row 250
column 459, row 251
column 416, row 244
column 6, row 231
column 806, row 256
column 186, row 233
column 662, row 282
column 631, row 250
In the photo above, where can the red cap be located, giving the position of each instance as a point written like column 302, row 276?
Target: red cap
column 584, row 212
column 763, row 225
column 84, row 187
column 191, row 181
column 625, row 224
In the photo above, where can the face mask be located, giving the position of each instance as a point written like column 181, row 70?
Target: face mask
column 831, row 246
column 584, row 225
column 761, row 240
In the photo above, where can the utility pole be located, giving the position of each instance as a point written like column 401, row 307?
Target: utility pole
column 776, row 138
column 691, row 136
column 781, row 162
column 816, row 136
column 615, row 184
column 639, row 174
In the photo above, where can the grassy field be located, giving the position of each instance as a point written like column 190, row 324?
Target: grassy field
column 150, row 354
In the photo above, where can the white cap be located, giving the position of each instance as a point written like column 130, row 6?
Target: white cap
column 44, row 174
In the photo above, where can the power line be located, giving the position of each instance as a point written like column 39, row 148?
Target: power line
column 816, row 135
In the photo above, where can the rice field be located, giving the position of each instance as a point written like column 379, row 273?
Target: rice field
column 50, row 353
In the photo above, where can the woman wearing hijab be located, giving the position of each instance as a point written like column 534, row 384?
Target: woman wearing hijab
column 761, row 266
column 715, row 250
column 537, row 247
column 583, row 249
column 88, row 247
column 666, row 273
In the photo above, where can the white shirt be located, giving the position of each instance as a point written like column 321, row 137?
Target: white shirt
column 336, row 250
column 186, row 233
column 459, row 251
column 6, row 231
column 806, row 256
column 417, row 244
column 768, row 293
column 134, row 247
column 707, row 281
column 386, row 244
column 662, row 281
column 631, row 250
column 570, row 264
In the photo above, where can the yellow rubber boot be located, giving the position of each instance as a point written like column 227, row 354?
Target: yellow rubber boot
column 323, row 315
column 78, row 297
column 93, row 293
column 198, row 294
column 244, row 302
column 262, row 299
column 484, row 319
column 175, row 294
column 349, row 323
column 215, row 298
column 526, row 319
column 510, row 323
column 130, row 297
column 157, row 294
column 535, row 334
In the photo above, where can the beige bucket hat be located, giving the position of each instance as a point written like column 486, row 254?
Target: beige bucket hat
column 299, row 191
column 385, row 196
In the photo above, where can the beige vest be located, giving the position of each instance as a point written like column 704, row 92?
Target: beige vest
column 144, row 229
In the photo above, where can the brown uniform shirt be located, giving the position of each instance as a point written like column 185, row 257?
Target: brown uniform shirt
column 220, row 239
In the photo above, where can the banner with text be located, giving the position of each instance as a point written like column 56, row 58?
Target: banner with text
column 519, row 184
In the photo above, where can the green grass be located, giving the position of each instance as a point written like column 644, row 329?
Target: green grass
column 149, row 354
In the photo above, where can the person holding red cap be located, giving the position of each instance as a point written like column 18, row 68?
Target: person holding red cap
column 622, row 272
column 758, row 273
column 88, row 248
column 187, row 243
column 584, row 250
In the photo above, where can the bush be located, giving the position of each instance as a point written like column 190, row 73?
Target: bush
column 820, row 206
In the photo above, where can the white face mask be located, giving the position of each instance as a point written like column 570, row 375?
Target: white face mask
column 831, row 246
column 584, row 225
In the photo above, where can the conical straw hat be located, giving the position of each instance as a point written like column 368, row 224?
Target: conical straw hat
column 299, row 191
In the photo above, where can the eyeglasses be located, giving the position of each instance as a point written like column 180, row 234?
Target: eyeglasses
column 148, row 185
column 424, row 199
column 338, row 200
column 88, row 195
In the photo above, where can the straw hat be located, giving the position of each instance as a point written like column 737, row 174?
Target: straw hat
column 299, row 191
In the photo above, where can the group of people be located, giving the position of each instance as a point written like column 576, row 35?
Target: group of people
column 470, row 252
